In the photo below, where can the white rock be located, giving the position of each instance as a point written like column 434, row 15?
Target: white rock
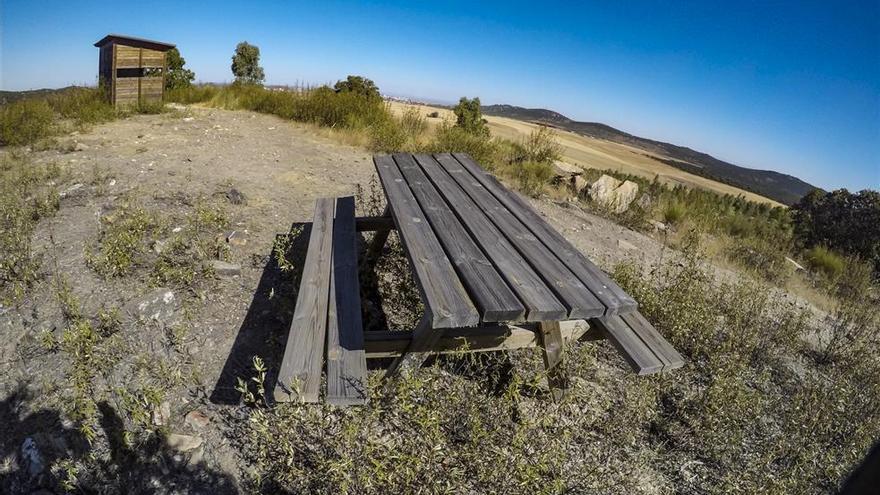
column 565, row 169
column 184, row 443
column 658, row 225
column 161, row 414
column 187, row 119
column 622, row 244
column 624, row 195
column 602, row 191
column 579, row 184
column 225, row 270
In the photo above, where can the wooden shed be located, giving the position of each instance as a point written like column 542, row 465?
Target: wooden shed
column 132, row 70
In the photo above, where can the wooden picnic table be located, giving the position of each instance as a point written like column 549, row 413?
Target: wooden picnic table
column 485, row 262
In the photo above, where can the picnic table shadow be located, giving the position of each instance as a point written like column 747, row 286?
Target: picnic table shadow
column 264, row 329
column 145, row 468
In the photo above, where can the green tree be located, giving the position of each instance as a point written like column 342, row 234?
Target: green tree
column 358, row 85
column 469, row 117
column 246, row 64
column 840, row 220
column 177, row 76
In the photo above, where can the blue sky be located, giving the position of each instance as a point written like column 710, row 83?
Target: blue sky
column 793, row 87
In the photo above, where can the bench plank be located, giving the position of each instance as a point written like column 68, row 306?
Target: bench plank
column 346, row 359
column 615, row 299
column 639, row 356
column 540, row 302
column 651, row 337
column 579, row 300
column 304, row 352
column 487, row 288
column 444, row 296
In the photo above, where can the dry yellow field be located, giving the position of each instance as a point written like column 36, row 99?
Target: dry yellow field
column 594, row 153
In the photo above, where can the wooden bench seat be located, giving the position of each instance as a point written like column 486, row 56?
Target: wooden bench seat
column 327, row 315
column 646, row 351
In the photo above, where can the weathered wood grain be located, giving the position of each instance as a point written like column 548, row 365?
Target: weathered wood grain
column 300, row 373
column 615, row 299
column 578, row 299
column 552, row 348
column 488, row 290
column 639, row 356
column 346, row 361
column 446, row 301
column 539, row 301
column 664, row 351
column 489, row 338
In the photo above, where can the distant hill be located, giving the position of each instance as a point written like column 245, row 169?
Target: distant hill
column 10, row 96
column 774, row 185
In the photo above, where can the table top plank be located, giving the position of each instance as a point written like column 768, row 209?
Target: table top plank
column 615, row 299
column 579, row 300
column 540, row 302
column 443, row 294
column 489, row 292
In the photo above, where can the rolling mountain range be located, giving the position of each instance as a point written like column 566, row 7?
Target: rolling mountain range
column 783, row 188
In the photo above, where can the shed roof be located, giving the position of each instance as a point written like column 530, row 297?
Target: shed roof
column 132, row 41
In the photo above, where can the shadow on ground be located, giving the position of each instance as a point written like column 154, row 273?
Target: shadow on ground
column 32, row 442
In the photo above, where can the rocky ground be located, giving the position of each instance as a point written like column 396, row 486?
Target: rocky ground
column 264, row 173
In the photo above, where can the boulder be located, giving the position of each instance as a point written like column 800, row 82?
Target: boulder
column 602, row 191
column 578, row 183
column 658, row 225
column 624, row 196
column 564, row 170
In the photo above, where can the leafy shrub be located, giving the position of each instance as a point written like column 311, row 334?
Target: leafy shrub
column 532, row 176
column 540, row 146
column 845, row 222
column 192, row 93
column 825, row 261
column 674, row 212
column 25, row 121
column 358, row 85
column 450, row 139
column 26, row 196
column 177, row 76
column 469, row 117
column 434, row 115
column 83, row 105
column 761, row 257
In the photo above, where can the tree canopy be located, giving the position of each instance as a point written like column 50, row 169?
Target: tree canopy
column 358, row 85
column 177, row 76
column 469, row 116
column 246, row 64
column 840, row 220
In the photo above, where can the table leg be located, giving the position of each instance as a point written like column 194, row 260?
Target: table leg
column 380, row 237
column 423, row 342
column 552, row 346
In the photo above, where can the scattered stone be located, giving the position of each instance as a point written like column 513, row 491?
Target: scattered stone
column 70, row 190
column 236, row 238
column 184, row 443
column 80, row 147
column 658, row 225
column 645, row 201
column 797, row 266
column 176, row 229
column 196, row 419
column 225, row 270
column 159, row 305
column 32, row 457
column 236, row 197
column 161, row 414
column 159, row 246
column 188, row 119
column 626, row 245
column 579, row 184
column 112, row 182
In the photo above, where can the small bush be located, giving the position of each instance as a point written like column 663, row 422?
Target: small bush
column 673, row 213
column 469, row 117
column 539, row 146
column 532, row 176
column 450, row 139
column 825, row 261
column 761, row 257
column 192, row 93
column 434, row 115
column 83, row 105
column 25, row 121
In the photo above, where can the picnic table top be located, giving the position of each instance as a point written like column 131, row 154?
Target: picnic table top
column 481, row 254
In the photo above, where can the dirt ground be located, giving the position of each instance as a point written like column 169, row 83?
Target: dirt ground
column 167, row 162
